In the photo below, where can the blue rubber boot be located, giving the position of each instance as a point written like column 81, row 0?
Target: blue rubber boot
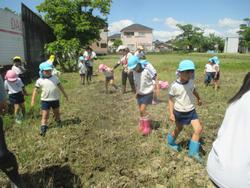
column 194, row 148
column 172, row 144
column 43, row 130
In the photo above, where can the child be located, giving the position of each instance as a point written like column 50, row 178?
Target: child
column 216, row 68
column 109, row 76
column 19, row 68
column 15, row 88
column 89, row 56
column 50, row 96
column 144, row 77
column 140, row 52
column 209, row 72
column 82, row 69
column 182, row 108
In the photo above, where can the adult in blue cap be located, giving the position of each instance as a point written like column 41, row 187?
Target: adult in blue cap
column 145, row 77
column 182, row 108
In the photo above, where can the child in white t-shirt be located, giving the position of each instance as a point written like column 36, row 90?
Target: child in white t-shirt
column 182, row 108
column 109, row 76
column 15, row 88
column 144, row 77
column 216, row 68
column 82, row 69
column 208, row 72
column 19, row 68
column 50, row 86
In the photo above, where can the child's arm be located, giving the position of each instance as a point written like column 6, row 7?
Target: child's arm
column 62, row 90
column 157, row 86
column 33, row 97
column 196, row 94
column 171, row 108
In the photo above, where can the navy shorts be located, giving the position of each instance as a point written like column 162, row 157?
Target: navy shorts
column 145, row 99
column 16, row 98
column 109, row 78
column 46, row 105
column 185, row 118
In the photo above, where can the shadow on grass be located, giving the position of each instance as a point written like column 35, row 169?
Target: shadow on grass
column 72, row 121
column 52, row 176
column 155, row 124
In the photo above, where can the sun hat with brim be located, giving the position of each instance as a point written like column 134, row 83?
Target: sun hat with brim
column 121, row 47
column 186, row 65
column 139, row 47
column 102, row 67
column 81, row 58
column 45, row 66
column 133, row 61
column 216, row 60
column 11, row 76
column 16, row 58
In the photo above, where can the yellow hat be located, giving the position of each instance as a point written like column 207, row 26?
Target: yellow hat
column 17, row 58
column 52, row 58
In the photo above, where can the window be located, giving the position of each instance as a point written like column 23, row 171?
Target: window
column 103, row 45
column 141, row 34
column 129, row 33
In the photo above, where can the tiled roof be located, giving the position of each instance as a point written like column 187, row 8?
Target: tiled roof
column 136, row 27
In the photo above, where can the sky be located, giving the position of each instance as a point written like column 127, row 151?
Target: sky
column 221, row 17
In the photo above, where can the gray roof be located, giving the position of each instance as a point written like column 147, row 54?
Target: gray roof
column 136, row 27
column 115, row 36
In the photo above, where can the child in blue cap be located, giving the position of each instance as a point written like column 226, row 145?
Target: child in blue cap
column 144, row 76
column 182, row 108
column 50, row 86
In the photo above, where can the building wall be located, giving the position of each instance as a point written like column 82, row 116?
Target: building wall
column 143, row 38
column 231, row 45
column 101, row 46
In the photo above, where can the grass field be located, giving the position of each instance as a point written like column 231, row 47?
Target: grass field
column 99, row 146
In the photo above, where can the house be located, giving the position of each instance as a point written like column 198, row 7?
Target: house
column 111, row 40
column 101, row 46
column 137, row 35
column 159, row 46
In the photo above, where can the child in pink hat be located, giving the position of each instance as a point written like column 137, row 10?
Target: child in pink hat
column 15, row 88
column 109, row 76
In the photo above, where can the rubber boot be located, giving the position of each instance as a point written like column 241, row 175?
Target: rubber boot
column 141, row 125
column 172, row 144
column 147, row 128
column 59, row 123
column 194, row 148
column 43, row 130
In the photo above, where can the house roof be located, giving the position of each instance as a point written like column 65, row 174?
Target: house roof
column 136, row 27
column 114, row 36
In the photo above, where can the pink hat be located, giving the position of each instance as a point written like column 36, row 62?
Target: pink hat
column 163, row 85
column 11, row 76
column 102, row 67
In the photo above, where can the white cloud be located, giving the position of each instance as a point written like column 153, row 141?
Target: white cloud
column 165, row 35
column 156, row 19
column 229, row 22
column 116, row 27
column 171, row 22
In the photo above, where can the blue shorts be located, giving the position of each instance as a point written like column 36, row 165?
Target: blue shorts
column 46, row 105
column 16, row 98
column 145, row 99
column 185, row 118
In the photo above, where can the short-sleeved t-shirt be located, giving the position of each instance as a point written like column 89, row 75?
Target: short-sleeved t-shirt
column 144, row 81
column 209, row 68
column 124, row 61
column 13, row 87
column 89, row 57
column 183, row 96
column 18, row 70
column 49, row 87
column 108, row 73
column 82, row 68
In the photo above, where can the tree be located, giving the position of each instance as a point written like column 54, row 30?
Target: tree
column 245, row 35
column 73, row 20
column 213, row 42
column 190, row 38
column 117, row 43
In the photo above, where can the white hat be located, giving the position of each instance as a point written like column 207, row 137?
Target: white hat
column 139, row 47
column 121, row 47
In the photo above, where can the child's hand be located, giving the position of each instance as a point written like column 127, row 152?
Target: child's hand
column 199, row 102
column 172, row 118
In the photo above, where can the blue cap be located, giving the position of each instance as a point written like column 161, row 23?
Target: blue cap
column 81, row 58
column 45, row 66
column 133, row 61
column 216, row 60
column 186, row 65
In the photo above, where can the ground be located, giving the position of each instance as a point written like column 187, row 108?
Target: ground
column 99, row 145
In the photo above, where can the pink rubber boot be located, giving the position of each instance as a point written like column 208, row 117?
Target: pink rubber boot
column 147, row 128
column 141, row 124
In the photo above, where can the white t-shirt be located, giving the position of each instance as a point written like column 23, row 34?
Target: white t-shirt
column 89, row 57
column 228, row 162
column 13, row 87
column 124, row 61
column 209, row 68
column 49, row 87
column 82, row 68
column 108, row 73
column 144, row 81
column 216, row 66
column 18, row 70
column 183, row 96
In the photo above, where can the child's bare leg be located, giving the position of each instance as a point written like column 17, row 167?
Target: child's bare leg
column 113, row 84
column 197, row 127
column 23, row 108
column 106, row 85
column 56, row 112
column 16, row 109
column 177, row 130
column 45, row 117
column 142, row 110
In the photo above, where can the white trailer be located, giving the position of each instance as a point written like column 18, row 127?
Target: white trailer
column 231, row 45
column 11, row 37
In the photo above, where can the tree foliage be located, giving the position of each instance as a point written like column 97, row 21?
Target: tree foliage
column 117, row 43
column 74, row 22
column 245, row 34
